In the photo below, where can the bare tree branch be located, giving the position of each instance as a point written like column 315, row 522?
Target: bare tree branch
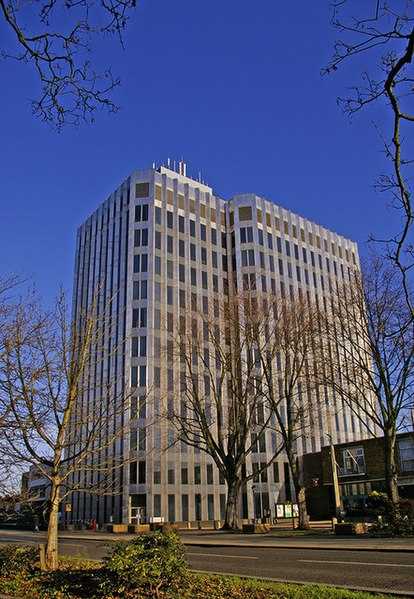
column 71, row 88
column 387, row 36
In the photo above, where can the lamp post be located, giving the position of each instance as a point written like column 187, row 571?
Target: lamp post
column 334, row 469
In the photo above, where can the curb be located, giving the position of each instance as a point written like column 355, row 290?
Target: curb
column 302, row 547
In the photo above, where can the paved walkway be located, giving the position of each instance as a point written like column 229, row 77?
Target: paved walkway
column 278, row 539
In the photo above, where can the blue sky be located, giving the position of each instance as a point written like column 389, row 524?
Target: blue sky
column 232, row 86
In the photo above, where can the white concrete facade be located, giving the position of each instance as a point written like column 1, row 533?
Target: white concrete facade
column 159, row 242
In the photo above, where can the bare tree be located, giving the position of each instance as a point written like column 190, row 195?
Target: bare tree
column 384, row 31
column 47, row 365
column 9, row 469
column 288, row 348
column 221, row 409
column 56, row 38
column 371, row 327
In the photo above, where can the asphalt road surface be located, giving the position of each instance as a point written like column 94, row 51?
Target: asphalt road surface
column 383, row 571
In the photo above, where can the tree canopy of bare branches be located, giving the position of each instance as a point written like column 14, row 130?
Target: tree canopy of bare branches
column 289, row 352
column 384, row 31
column 47, row 365
column 56, row 39
column 222, row 409
column 371, row 327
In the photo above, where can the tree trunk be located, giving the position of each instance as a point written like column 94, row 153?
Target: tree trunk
column 232, row 507
column 391, row 475
column 300, row 491
column 51, row 552
column 303, row 512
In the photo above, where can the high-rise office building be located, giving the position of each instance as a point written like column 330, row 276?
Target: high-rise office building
column 159, row 244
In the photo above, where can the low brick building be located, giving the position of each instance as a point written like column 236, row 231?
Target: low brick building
column 360, row 467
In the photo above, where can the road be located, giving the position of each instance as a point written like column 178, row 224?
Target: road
column 383, row 571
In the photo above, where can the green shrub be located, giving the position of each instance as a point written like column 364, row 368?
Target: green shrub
column 406, row 509
column 18, row 559
column 151, row 561
column 393, row 520
column 379, row 505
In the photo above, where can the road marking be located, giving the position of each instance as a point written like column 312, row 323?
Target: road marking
column 319, row 561
column 220, row 555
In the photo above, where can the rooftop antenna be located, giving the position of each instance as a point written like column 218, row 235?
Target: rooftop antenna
column 182, row 168
column 168, row 163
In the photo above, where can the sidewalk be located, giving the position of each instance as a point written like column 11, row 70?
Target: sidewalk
column 276, row 539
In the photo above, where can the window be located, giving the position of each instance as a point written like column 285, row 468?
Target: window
column 157, row 292
column 139, row 317
column 209, row 474
column 353, row 461
column 296, row 250
column 184, row 476
column 287, row 245
column 140, row 263
column 157, row 265
column 139, row 347
column 192, row 228
column 157, row 506
column 260, row 236
column 169, row 244
column 158, row 240
column 141, row 213
column 214, row 236
column 142, row 440
column 279, row 244
column 169, row 219
column 193, row 276
column 203, row 256
column 171, row 476
column 270, row 241
column 181, row 224
column 197, row 475
column 203, row 232
column 246, row 234
column 181, row 269
column 133, row 440
column 157, row 215
column 140, row 237
column 181, row 248
column 214, row 259
column 140, row 290
column 275, row 472
column 406, row 453
column 192, row 251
